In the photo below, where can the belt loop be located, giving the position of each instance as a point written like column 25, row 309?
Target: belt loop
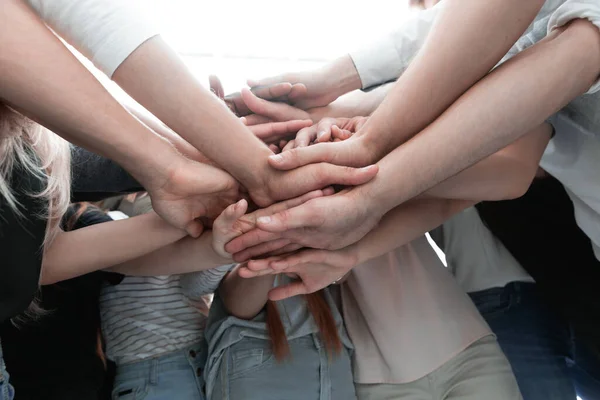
column 154, row 371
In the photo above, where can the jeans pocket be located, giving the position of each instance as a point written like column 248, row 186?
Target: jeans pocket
column 130, row 390
column 245, row 361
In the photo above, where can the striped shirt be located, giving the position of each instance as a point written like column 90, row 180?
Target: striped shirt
column 146, row 317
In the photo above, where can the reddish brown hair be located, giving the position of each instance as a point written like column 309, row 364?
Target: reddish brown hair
column 321, row 313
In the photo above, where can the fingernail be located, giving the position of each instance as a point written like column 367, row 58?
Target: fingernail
column 277, row 158
column 264, row 220
column 320, row 134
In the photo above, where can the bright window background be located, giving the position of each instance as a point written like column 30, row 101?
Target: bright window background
column 236, row 40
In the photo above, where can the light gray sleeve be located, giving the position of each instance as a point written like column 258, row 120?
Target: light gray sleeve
column 197, row 284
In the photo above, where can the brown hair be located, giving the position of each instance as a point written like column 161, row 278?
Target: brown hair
column 323, row 317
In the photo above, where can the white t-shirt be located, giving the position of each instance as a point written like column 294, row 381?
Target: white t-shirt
column 388, row 58
column 105, row 31
column 478, row 259
column 406, row 316
column 573, row 157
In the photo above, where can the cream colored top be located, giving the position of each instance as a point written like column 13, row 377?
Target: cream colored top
column 407, row 316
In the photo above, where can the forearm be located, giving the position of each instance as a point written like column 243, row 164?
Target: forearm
column 505, row 175
column 39, row 72
column 156, row 77
column 454, row 56
column 406, row 223
column 245, row 297
column 516, row 97
column 161, row 129
column 184, row 256
column 101, row 246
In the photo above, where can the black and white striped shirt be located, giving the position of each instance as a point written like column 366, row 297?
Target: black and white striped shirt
column 145, row 317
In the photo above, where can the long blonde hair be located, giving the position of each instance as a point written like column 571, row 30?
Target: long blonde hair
column 27, row 145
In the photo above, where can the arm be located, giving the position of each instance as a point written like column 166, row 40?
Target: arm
column 245, row 298
column 495, row 112
column 100, row 246
column 39, row 73
column 445, row 68
column 184, row 256
column 504, row 175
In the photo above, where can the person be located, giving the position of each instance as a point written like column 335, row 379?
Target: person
column 529, row 330
column 56, row 355
column 153, row 332
column 361, row 207
column 404, row 302
column 544, row 246
column 293, row 349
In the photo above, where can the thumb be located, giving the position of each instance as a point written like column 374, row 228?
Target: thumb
column 301, row 156
column 297, row 217
column 194, row 229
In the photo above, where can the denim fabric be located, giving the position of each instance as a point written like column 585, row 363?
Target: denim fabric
column 249, row 371
column 548, row 362
column 6, row 390
column 175, row 375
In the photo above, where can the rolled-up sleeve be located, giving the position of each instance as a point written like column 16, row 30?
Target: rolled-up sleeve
column 105, row 31
column 386, row 59
column 577, row 9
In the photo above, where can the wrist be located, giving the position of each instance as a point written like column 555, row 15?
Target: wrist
column 343, row 74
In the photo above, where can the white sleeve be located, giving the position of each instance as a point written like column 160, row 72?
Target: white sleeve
column 197, row 284
column 388, row 58
column 105, row 31
column 574, row 9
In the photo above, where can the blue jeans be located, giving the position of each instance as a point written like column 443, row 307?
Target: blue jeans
column 6, row 390
column 249, row 371
column 177, row 375
column 547, row 360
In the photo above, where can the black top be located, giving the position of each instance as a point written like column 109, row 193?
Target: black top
column 540, row 231
column 59, row 350
column 21, row 238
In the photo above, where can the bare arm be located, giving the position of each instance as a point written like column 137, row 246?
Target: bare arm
column 100, row 246
column 504, row 175
column 245, row 297
column 455, row 56
column 513, row 99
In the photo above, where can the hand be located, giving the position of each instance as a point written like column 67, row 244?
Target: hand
column 328, row 129
column 331, row 222
column 316, row 270
column 322, row 86
column 224, row 227
column 238, row 106
column 282, row 185
column 189, row 190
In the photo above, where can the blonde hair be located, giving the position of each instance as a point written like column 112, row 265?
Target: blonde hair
column 27, row 145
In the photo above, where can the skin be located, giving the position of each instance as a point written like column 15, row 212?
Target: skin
column 492, row 114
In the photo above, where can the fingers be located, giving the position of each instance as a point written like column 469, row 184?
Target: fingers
column 324, row 129
column 302, row 216
column 272, row 131
column 254, row 119
column 241, row 246
column 216, row 86
column 340, row 134
column 245, row 272
column 272, row 110
column 306, row 136
column 274, row 91
column 320, row 175
column 261, row 249
column 295, row 158
column 286, row 291
column 194, row 229
column 232, row 213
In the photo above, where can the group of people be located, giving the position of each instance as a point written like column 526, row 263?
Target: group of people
column 271, row 243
